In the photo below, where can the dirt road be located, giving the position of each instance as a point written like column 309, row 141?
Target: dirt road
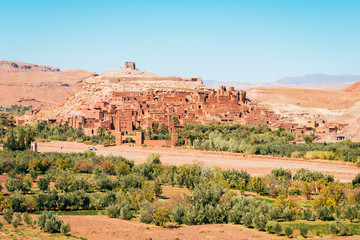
column 255, row 165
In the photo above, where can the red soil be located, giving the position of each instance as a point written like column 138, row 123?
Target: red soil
column 102, row 227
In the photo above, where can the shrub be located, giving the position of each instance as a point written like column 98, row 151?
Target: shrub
column 339, row 227
column 27, row 219
column 303, row 230
column 113, row 211
column 306, row 214
column 270, row 226
column 33, row 174
column 49, row 222
column 288, row 214
column 324, row 213
column 259, row 222
column 12, row 184
column 161, row 216
column 8, row 214
column 43, row 184
column 288, row 231
column 356, row 180
column 125, row 210
column 248, row 220
column 65, row 228
column 82, row 166
column 178, row 213
column 147, row 215
column 15, row 222
column 278, row 229
column 351, row 212
column 281, row 173
column 16, row 201
column 157, row 189
column 1, row 224
column 18, row 216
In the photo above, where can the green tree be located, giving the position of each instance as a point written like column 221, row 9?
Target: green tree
column 288, row 231
column 43, row 184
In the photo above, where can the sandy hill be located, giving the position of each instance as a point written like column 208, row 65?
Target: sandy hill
column 39, row 87
column 303, row 105
column 331, row 100
column 11, row 67
column 355, row 87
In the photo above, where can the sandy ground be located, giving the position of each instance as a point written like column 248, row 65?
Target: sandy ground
column 255, row 165
column 103, row 227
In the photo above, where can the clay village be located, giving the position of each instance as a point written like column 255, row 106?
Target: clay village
column 173, row 101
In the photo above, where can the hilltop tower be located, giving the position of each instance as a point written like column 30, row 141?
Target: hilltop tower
column 130, row 65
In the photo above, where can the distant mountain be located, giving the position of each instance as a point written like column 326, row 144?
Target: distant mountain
column 318, row 79
column 13, row 67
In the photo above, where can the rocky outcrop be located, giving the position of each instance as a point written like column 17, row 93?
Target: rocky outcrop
column 13, row 67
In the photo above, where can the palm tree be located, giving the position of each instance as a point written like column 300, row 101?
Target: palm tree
column 100, row 131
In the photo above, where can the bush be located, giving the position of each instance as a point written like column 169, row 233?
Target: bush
column 248, row 220
column 270, row 226
column 259, row 222
column 288, row 214
column 306, row 214
column 281, row 173
column 43, row 184
column 339, row 227
column 27, row 219
column 303, row 230
column 15, row 222
column 49, row 222
column 147, row 215
column 18, row 216
column 324, row 213
column 33, row 174
column 278, row 229
column 112, row 211
column 351, row 212
column 356, row 180
column 1, row 224
column 178, row 213
column 288, row 231
column 8, row 214
column 125, row 210
column 157, row 189
column 65, row 228
column 161, row 216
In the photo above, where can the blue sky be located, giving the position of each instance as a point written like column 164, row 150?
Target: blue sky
column 245, row 41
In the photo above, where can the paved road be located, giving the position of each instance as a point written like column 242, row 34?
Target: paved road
column 255, row 165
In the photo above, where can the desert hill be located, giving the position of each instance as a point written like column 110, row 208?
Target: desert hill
column 12, row 66
column 303, row 105
column 40, row 87
column 314, row 86
column 355, row 87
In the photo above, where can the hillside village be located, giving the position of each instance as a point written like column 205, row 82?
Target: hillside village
column 125, row 100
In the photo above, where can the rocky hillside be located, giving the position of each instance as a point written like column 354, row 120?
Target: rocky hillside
column 13, row 67
column 303, row 105
column 355, row 87
column 31, row 84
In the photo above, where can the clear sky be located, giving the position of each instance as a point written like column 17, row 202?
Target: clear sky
column 244, row 40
